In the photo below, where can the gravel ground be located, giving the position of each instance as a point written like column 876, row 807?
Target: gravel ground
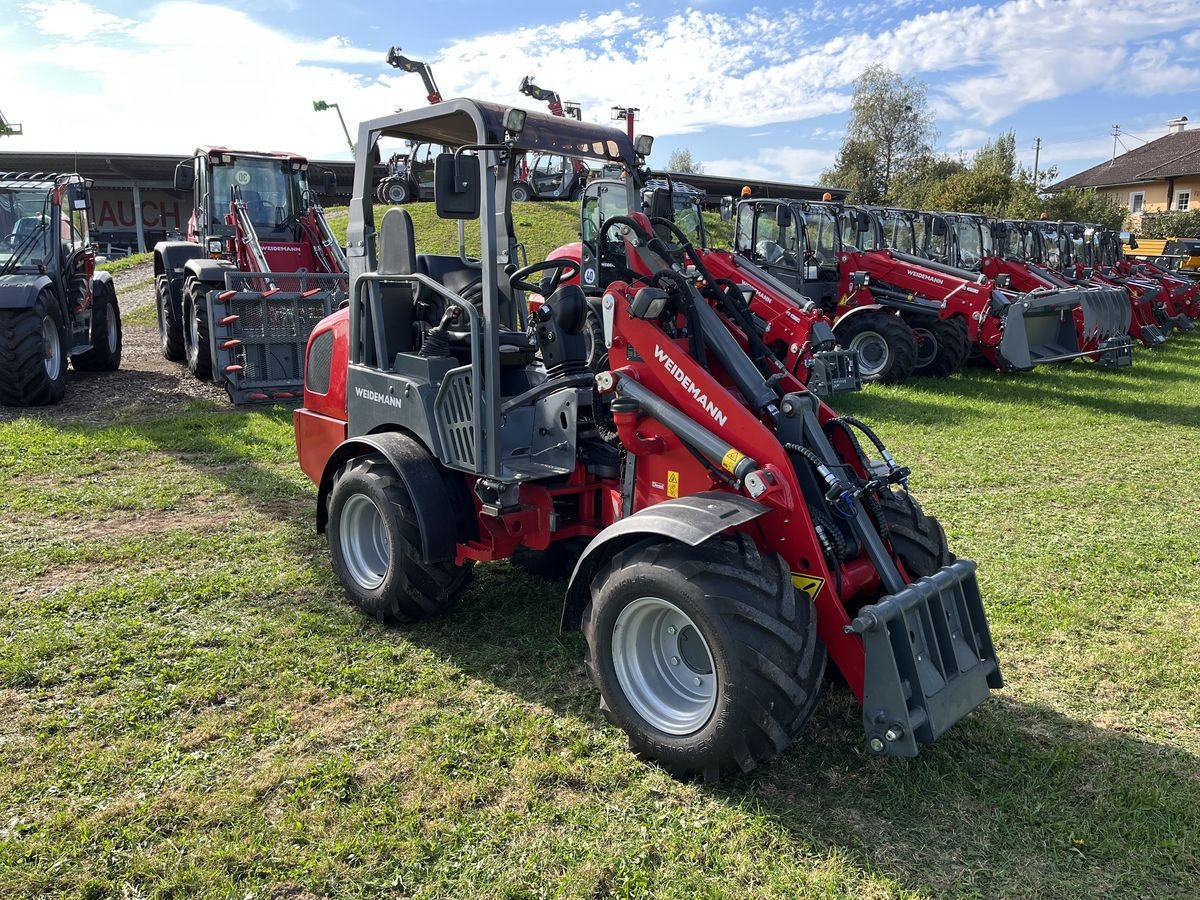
column 146, row 384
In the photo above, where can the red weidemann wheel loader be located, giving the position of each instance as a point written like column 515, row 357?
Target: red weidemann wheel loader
column 727, row 537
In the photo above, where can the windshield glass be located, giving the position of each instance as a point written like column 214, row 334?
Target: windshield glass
column 1016, row 243
column 821, row 235
column 602, row 202
column 25, row 235
column 970, row 246
column 897, row 231
column 271, row 189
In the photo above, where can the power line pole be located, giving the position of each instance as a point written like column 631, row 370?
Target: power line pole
column 1037, row 152
column 1116, row 132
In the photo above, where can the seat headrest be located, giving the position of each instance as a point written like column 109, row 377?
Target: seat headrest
column 397, row 244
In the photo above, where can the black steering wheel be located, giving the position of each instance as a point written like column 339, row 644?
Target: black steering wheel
column 563, row 268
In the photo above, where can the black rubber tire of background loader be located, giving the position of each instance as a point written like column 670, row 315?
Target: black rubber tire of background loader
column 395, row 192
column 761, row 634
column 24, row 380
column 555, row 563
column 953, row 348
column 593, row 331
column 412, row 589
column 521, row 193
column 170, row 328
column 195, row 318
column 105, row 355
column 896, row 334
column 917, row 538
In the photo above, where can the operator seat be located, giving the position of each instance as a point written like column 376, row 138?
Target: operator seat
column 398, row 256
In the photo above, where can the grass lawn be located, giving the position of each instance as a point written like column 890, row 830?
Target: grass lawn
column 189, row 708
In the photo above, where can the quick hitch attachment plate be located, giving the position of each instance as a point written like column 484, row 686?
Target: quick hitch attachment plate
column 929, row 659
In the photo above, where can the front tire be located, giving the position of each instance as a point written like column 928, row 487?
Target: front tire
column 375, row 546
column 395, row 192
column 521, row 193
column 107, row 338
column 33, row 354
column 705, row 656
column 918, row 539
column 170, row 326
column 195, row 316
column 884, row 343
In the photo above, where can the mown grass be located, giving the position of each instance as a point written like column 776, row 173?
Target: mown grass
column 189, row 708
column 541, row 227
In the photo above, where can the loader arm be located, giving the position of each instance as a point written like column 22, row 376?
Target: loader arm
column 396, row 61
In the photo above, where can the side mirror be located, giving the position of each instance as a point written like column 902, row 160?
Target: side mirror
column 862, row 221
column 783, row 215
column 1133, row 244
column 330, row 182
column 726, row 209
column 937, row 227
column 185, row 176
column 456, row 186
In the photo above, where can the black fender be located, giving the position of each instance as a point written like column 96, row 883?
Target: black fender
column 441, row 500
column 21, row 291
column 211, row 271
column 170, row 257
column 689, row 520
column 102, row 282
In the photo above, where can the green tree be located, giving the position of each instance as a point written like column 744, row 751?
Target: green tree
column 682, row 161
column 987, row 185
column 1171, row 224
column 1084, row 205
column 890, row 129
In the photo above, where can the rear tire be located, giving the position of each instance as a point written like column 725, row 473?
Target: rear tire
column 375, row 546
column 170, row 327
column 521, row 193
column 33, row 354
column 105, row 355
column 884, row 343
column 664, row 615
column 950, row 346
column 195, row 316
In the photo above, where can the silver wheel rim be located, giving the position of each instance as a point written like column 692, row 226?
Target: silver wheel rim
column 927, row 346
column 663, row 665
column 364, row 541
column 193, row 327
column 873, row 351
column 111, row 329
column 51, row 348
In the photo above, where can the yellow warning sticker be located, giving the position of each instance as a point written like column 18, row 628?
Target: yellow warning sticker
column 808, row 585
column 672, row 483
column 730, row 460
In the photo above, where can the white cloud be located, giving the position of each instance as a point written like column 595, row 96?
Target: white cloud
column 687, row 71
column 799, row 164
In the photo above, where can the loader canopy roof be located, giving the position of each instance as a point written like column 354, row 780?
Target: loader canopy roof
column 460, row 122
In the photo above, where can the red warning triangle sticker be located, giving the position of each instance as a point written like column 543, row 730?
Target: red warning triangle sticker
column 808, row 585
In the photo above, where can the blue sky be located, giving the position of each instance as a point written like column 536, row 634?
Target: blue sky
column 756, row 90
